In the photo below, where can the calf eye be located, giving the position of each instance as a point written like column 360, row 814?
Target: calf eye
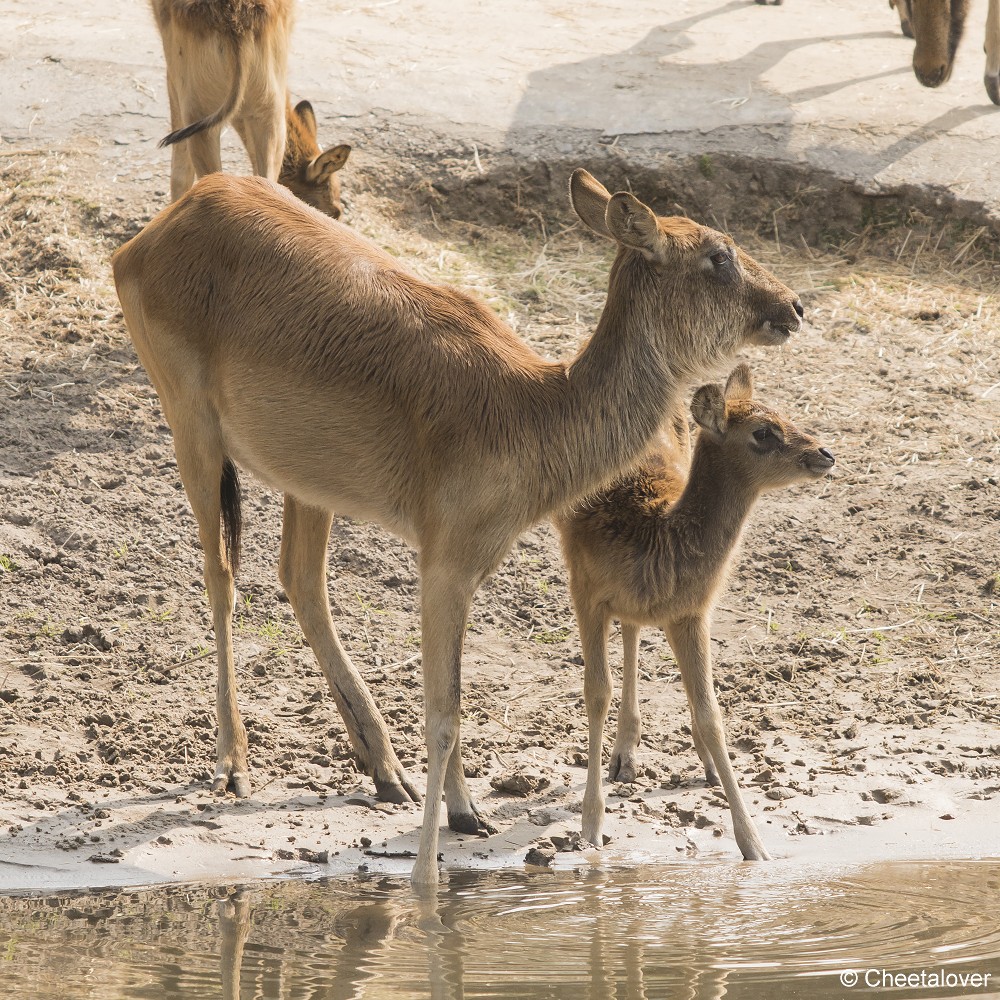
column 763, row 434
column 719, row 257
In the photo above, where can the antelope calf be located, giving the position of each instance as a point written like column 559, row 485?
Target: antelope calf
column 937, row 27
column 652, row 549
column 227, row 61
column 285, row 343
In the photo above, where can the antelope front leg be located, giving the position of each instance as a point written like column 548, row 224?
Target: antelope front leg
column 597, row 696
column 623, row 766
column 302, row 571
column 691, row 642
column 447, row 595
column 992, row 75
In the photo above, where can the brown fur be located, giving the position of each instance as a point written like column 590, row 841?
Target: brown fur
column 227, row 60
column 297, row 349
column 234, row 18
column 654, row 549
column 937, row 26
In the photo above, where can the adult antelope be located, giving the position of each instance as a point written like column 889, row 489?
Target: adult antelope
column 227, row 61
column 937, row 27
column 652, row 549
column 288, row 344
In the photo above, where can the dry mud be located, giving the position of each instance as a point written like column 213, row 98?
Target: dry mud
column 855, row 648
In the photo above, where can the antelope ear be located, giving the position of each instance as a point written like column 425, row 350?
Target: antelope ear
column 708, row 407
column 328, row 162
column 305, row 112
column 739, row 385
column 633, row 224
column 590, row 198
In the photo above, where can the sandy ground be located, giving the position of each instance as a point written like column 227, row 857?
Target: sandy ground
column 855, row 648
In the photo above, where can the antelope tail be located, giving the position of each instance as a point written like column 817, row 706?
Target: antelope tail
column 232, row 102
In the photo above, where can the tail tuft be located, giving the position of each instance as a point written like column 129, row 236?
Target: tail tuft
column 185, row 133
column 230, row 497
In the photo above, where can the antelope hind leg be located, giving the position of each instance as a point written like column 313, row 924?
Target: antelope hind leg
column 302, row 571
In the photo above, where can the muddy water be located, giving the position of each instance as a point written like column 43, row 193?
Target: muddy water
column 692, row 930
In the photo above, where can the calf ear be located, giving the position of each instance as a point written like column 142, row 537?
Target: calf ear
column 590, row 198
column 305, row 112
column 633, row 224
column 708, row 407
column 328, row 162
column 739, row 385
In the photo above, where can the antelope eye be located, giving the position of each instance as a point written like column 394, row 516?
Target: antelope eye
column 763, row 434
column 720, row 257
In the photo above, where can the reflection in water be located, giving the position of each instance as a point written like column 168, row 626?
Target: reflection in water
column 698, row 931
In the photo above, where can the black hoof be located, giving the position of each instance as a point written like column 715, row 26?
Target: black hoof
column 395, row 789
column 474, row 824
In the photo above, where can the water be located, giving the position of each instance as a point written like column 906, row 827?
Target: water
column 691, row 930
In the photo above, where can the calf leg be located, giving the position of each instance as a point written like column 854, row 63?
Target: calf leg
column 623, row 765
column 691, row 643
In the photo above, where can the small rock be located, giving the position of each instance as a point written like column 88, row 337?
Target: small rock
column 540, row 817
column 572, row 841
column 519, row 782
column 314, row 857
column 883, row 795
column 779, row 792
column 540, row 857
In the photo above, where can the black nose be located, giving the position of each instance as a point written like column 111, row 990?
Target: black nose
column 827, row 454
column 797, row 306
